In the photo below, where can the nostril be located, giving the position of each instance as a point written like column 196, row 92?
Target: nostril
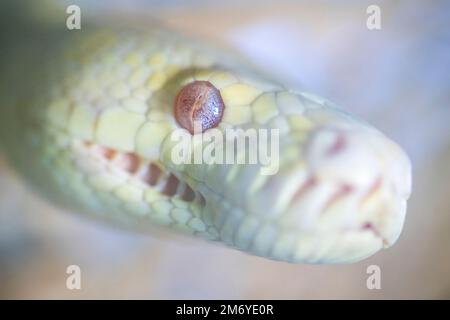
column 369, row 226
column 338, row 146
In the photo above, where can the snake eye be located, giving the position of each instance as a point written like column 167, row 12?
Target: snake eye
column 199, row 103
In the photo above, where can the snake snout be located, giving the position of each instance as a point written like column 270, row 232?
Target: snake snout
column 356, row 185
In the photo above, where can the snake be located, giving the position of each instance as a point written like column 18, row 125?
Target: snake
column 88, row 116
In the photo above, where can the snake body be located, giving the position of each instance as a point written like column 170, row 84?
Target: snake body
column 87, row 117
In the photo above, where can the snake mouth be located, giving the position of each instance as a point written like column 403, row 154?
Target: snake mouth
column 332, row 203
column 148, row 172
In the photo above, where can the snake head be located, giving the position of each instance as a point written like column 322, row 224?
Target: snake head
column 334, row 190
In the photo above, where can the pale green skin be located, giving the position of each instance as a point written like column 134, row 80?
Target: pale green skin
column 115, row 87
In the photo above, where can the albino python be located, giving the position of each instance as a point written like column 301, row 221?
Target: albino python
column 87, row 117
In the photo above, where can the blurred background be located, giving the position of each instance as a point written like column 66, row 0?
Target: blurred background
column 397, row 78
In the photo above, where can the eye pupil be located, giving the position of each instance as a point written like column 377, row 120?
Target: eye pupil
column 198, row 102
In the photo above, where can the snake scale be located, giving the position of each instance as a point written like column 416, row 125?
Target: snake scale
column 87, row 115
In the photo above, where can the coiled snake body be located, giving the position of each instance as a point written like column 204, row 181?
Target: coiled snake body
column 87, row 116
